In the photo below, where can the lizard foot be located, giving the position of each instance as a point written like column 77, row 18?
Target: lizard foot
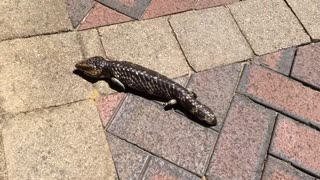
column 170, row 103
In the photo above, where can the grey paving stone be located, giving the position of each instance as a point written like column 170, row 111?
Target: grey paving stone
column 148, row 43
column 3, row 166
column 243, row 141
column 78, row 9
column 20, row 18
column 129, row 160
column 210, row 38
column 90, row 43
column 165, row 133
column 132, row 8
column 215, row 88
column 38, row 72
column 160, row 169
column 66, row 142
column 269, row 25
column 309, row 14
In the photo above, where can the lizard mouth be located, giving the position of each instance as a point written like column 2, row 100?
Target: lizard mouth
column 88, row 70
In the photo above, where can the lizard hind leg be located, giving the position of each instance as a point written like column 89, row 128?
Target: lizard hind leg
column 118, row 83
column 193, row 93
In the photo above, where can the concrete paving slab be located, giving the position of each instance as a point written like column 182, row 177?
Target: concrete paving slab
column 159, row 8
column 90, row 43
column 21, row 18
column 148, row 43
column 269, row 25
column 210, row 3
column 66, row 142
column 3, row 166
column 210, row 38
column 309, row 14
column 38, row 72
column 91, row 46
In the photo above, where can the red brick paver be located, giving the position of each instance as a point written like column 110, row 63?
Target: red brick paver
column 101, row 15
column 276, row 169
column 165, row 133
column 280, row 61
column 243, row 142
column 107, row 105
column 163, row 7
column 298, row 144
column 215, row 88
column 281, row 93
column 307, row 65
column 128, row 159
column 161, row 170
column 132, row 8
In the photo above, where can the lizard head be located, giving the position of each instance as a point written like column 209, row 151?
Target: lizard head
column 93, row 67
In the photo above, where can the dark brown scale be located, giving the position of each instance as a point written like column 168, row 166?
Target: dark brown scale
column 146, row 80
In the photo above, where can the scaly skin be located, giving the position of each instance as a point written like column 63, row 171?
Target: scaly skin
column 147, row 81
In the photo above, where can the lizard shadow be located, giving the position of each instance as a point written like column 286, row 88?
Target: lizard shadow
column 177, row 108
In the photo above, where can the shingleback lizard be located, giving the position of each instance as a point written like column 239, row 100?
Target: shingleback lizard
column 127, row 74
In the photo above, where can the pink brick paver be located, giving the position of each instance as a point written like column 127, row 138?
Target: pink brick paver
column 281, row 93
column 163, row 7
column 215, row 88
column 307, row 65
column 243, row 142
column 276, row 169
column 280, row 61
column 298, row 144
column 129, row 160
column 168, row 134
column 107, row 106
column 101, row 15
column 162, row 170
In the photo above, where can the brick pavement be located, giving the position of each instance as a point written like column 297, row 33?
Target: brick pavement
column 254, row 62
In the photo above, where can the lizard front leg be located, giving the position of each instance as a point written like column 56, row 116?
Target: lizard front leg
column 118, row 83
